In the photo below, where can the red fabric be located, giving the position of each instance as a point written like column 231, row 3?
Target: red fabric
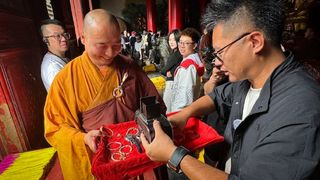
column 186, row 63
column 135, row 163
column 196, row 135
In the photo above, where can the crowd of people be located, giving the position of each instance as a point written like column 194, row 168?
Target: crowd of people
column 238, row 75
column 141, row 46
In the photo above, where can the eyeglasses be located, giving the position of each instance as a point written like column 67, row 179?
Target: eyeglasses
column 215, row 54
column 184, row 43
column 58, row 37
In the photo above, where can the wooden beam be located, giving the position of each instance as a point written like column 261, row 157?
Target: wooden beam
column 77, row 16
column 90, row 5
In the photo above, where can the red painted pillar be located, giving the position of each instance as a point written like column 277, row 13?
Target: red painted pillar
column 77, row 16
column 151, row 15
column 175, row 12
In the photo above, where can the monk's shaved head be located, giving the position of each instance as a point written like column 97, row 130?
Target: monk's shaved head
column 101, row 37
column 100, row 18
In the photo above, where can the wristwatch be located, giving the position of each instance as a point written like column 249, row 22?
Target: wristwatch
column 177, row 156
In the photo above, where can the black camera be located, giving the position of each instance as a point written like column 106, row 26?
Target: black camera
column 149, row 111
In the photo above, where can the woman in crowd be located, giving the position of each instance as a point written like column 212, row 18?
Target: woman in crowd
column 186, row 84
column 175, row 57
column 173, row 62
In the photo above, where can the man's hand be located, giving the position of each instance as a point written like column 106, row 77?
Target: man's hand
column 90, row 139
column 215, row 78
column 161, row 148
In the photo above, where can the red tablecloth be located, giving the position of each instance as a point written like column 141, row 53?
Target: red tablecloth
column 195, row 135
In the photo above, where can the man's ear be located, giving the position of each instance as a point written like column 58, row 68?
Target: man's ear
column 258, row 41
column 195, row 45
column 45, row 40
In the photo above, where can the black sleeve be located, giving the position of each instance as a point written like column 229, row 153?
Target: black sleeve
column 172, row 63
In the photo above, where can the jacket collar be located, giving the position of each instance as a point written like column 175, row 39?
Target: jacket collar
column 262, row 104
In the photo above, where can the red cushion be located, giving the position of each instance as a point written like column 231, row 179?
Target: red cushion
column 195, row 135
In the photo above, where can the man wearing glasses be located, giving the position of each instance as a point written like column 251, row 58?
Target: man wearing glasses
column 97, row 88
column 56, row 39
column 272, row 103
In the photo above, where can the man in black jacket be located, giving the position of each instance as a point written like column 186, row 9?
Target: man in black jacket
column 272, row 103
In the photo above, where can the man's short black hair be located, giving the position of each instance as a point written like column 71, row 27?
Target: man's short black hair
column 265, row 15
column 192, row 33
column 45, row 22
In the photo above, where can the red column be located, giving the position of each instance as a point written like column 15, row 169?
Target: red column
column 151, row 15
column 175, row 14
column 77, row 16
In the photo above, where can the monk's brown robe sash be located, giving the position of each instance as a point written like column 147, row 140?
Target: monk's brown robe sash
column 122, row 109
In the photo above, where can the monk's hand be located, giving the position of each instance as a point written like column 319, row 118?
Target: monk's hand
column 90, row 139
column 161, row 148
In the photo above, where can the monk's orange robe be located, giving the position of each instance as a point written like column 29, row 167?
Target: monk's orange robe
column 79, row 88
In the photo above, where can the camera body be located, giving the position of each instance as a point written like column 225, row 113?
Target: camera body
column 148, row 112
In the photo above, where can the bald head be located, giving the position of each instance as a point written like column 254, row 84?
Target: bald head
column 100, row 18
column 101, row 37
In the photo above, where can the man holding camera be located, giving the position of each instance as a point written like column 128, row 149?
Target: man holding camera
column 272, row 103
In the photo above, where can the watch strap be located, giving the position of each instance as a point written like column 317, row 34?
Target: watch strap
column 177, row 156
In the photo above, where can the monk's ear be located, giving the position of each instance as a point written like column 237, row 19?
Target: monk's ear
column 83, row 39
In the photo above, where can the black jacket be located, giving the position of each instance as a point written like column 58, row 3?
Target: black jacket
column 280, row 138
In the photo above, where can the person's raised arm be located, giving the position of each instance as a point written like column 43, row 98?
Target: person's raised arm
column 202, row 106
column 215, row 78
